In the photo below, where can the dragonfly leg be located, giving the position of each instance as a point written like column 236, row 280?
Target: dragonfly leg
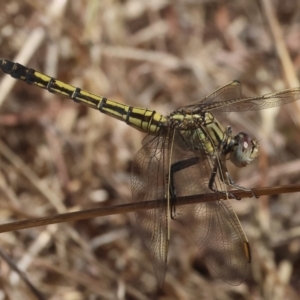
column 229, row 181
column 176, row 167
column 220, row 166
column 212, row 181
column 172, row 193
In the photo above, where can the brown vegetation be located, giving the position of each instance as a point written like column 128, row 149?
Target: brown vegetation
column 58, row 157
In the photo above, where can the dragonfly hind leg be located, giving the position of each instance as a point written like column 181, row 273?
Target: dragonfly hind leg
column 176, row 167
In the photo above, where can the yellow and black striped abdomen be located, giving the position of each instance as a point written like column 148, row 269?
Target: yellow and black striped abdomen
column 142, row 119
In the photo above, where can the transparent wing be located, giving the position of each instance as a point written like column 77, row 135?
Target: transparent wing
column 228, row 99
column 213, row 226
column 230, row 91
column 218, row 234
column 148, row 181
column 257, row 103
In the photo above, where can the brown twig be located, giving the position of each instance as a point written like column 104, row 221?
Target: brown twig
column 130, row 207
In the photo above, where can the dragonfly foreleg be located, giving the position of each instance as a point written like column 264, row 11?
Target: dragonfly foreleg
column 227, row 147
column 220, row 166
column 212, row 182
column 176, row 167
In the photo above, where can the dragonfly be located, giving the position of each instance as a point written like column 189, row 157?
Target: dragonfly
column 184, row 153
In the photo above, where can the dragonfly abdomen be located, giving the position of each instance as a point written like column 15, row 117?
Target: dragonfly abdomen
column 142, row 119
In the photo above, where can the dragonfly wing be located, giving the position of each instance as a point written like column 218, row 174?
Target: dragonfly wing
column 219, row 236
column 231, row 90
column 257, row 103
column 149, row 183
column 213, row 226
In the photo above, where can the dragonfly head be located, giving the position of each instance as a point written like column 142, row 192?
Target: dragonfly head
column 244, row 150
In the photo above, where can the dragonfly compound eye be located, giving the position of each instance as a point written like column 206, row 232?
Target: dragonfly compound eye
column 245, row 150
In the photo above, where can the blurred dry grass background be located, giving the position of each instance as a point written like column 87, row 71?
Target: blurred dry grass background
column 57, row 156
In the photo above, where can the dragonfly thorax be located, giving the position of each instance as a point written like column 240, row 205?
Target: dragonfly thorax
column 243, row 150
column 183, row 121
column 198, row 132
